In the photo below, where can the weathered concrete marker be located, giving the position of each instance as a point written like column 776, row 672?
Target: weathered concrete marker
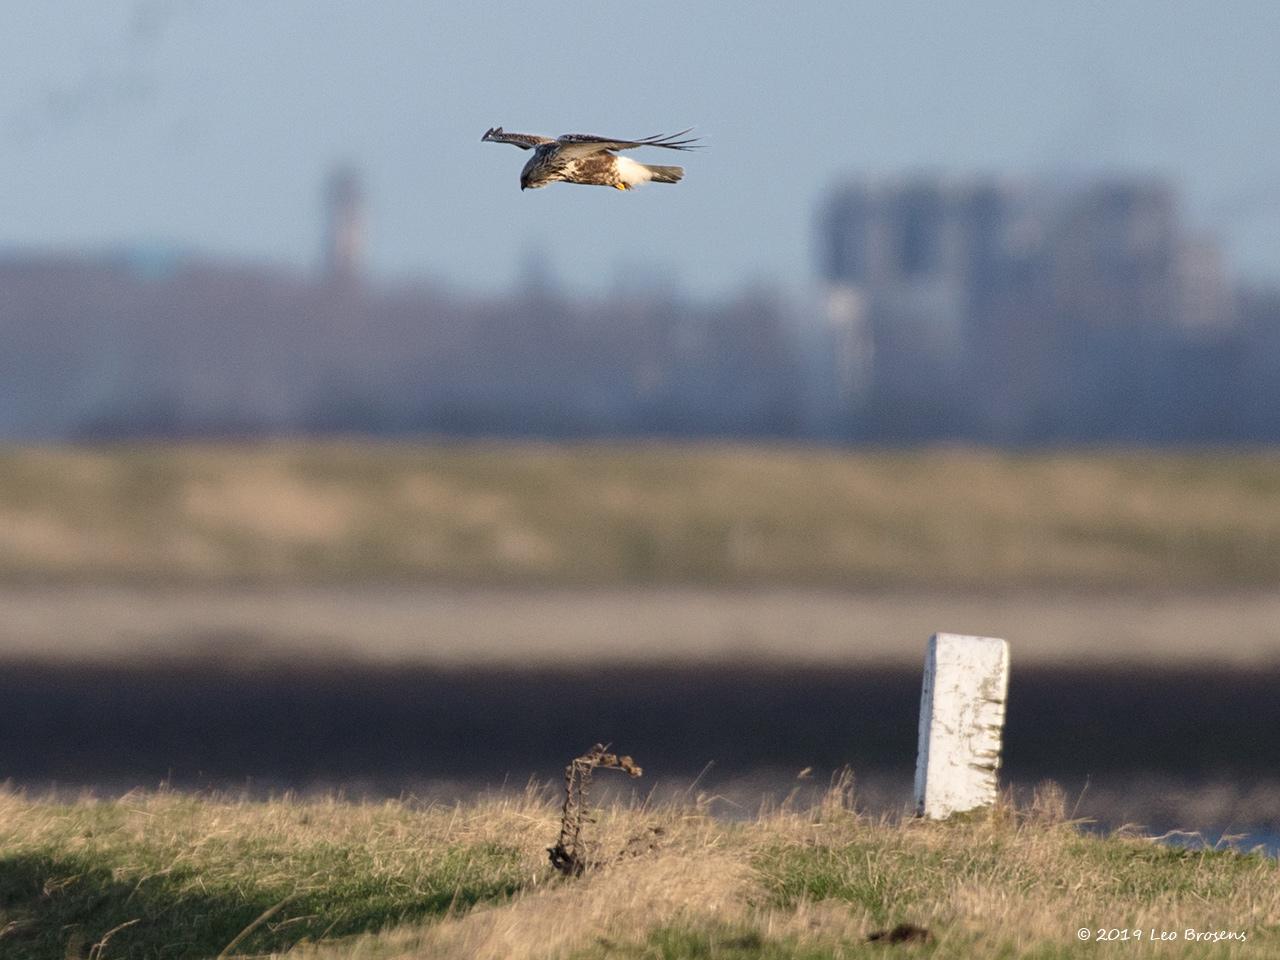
column 966, row 680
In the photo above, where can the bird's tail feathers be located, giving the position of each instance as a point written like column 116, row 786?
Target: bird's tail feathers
column 665, row 174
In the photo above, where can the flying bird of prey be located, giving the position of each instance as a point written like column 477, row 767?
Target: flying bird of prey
column 583, row 158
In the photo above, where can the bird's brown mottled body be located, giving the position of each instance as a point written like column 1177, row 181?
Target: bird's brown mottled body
column 588, row 159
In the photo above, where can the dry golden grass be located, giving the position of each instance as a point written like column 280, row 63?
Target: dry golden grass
column 472, row 881
column 614, row 513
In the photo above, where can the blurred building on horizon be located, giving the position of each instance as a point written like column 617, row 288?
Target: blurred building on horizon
column 982, row 309
column 1014, row 311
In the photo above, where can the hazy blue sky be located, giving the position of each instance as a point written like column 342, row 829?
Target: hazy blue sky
column 212, row 124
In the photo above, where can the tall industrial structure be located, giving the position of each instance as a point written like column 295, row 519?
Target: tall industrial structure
column 345, row 226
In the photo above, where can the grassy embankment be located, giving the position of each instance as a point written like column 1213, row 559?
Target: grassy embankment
column 616, row 513
column 183, row 877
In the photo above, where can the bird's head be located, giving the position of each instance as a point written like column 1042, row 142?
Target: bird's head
column 534, row 175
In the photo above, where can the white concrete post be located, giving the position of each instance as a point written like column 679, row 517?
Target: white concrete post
column 966, row 680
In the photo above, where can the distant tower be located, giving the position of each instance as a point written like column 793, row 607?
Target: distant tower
column 345, row 226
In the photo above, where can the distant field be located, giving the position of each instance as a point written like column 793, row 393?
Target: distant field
column 491, row 513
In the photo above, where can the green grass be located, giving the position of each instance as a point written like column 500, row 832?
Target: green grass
column 171, row 876
column 851, row 873
column 637, row 513
column 184, row 911
column 714, row 943
column 178, row 877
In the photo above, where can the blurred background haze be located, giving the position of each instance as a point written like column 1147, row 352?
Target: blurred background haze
column 1003, row 224
column 327, row 451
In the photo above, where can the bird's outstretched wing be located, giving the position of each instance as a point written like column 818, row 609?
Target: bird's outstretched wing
column 581, row 144
column 525, row 141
